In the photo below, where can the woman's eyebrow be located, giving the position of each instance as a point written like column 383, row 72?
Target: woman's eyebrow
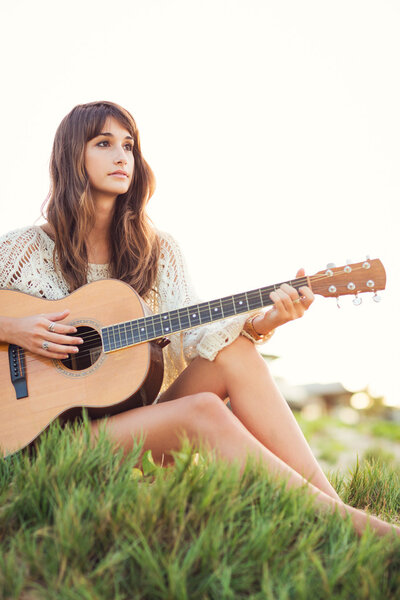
column 127, row 137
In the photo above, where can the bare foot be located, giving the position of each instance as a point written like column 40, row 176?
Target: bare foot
column 360, row 520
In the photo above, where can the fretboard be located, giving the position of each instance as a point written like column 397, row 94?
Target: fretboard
column 145, row 329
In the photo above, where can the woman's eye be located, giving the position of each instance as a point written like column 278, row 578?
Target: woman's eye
column 103, row 142
column 129, row 146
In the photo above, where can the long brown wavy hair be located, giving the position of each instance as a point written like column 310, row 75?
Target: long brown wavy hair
column 135, row 247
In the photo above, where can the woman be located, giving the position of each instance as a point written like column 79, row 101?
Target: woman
column 96, row 228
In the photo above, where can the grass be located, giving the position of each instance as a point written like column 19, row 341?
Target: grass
column 81, row 523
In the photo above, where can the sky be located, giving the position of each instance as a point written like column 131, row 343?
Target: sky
column 273, row 131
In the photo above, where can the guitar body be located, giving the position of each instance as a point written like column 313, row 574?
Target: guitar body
column 103, row 383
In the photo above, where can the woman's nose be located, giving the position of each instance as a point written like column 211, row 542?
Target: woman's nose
column 120, row 157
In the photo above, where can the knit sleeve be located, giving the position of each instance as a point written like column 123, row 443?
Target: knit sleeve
column 16, row 249
column 176, row 291
column 26, row 264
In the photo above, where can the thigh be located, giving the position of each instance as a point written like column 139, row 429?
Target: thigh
column 160, row 426
column 201, row 375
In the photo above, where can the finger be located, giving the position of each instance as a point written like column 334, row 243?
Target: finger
column 283, row 302
column 290, row 291
column 308, row 297
column 60, row 328
column 53, row 355
column 56, row 316
column 56, row 338
column 300, row 273
column 57, row 350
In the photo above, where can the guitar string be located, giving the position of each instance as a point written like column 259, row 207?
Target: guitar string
column 154, row 320
column 92, row 336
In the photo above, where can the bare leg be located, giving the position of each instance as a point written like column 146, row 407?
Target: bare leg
column 204, row 417
column 242, row 374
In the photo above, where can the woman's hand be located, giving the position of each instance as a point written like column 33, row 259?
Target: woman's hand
column 288, row 305
column 39, row 332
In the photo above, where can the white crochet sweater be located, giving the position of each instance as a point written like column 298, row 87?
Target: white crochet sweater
column 26, row 264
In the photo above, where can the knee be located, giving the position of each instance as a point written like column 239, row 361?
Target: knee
column 239, row 354
column 207, row 411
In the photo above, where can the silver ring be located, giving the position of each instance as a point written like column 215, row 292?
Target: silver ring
column 45, row 345
column 51, row 326
column 296, row 301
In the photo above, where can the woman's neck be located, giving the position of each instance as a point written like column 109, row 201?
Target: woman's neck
column 98, row 239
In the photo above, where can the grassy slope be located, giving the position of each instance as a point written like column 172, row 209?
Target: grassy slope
column 76, row 523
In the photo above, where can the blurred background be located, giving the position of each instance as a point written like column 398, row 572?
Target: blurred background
column 273, row 131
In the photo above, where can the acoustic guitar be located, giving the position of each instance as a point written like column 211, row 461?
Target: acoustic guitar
column 120, row 364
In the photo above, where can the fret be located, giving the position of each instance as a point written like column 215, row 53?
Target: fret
column 253, row 299
column 129, row 334
column 194, row 315
column 158, row 332
column 265, row 292
column 240, row 303
column 205, row 312
column 184, row 317
column 106, row 339
column 166, row 324
column 117, row 336
column 142, row 330
column 261, row 298
column 174, row 320
column 228, row 306
column 135, row 332
column 216, row 309
column 122, row 334
column 150, row 333
column 112, row 338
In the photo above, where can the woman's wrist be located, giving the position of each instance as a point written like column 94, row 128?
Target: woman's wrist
column 250, row 329
column 5, row 327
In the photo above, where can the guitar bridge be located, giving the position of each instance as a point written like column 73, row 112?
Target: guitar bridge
column 16, row 360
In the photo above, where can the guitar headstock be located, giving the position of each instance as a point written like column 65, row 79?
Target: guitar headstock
column 366, row 276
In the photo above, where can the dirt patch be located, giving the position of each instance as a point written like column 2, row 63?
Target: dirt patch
column 353, row 444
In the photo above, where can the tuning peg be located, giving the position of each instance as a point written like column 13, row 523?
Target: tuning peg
column 357, row 300
column 330, row 266
column 337, row 302
column 347, row 268
column 376, row 297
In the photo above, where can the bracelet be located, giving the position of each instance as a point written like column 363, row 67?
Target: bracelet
column 248, row 328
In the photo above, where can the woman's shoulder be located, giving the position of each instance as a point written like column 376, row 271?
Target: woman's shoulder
column 26, row 238
column 168, row 243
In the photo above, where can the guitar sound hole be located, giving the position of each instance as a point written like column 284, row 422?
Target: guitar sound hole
column 89, row 351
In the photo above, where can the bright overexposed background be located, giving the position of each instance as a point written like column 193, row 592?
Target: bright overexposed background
column 273, row 129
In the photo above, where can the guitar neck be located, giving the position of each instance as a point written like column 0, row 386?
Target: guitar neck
column 129, row 333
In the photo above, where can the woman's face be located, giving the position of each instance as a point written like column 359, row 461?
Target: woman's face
column 106, row 154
